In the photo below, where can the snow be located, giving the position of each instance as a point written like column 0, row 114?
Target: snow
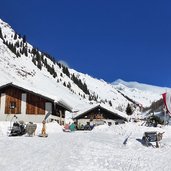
column 22, row 72
column 101, row 149
column 103, row 89
column 140, row 86
column 141, row 93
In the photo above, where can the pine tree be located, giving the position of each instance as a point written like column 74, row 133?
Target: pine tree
column 17, row 44
column 90, row 98
column 64, row 84
column 18, row 54
column 34, row 60
column 66, row 71
column 79, row 83
column 24, row 51
column 110, row 103
column 59, row 64
column 39, row 65
column 129, row 109
column 15, row 36
column 1, row 36
column 34, row 51
column 45, row 62
column 69, row 85
column 54, row 75
column 42, row 57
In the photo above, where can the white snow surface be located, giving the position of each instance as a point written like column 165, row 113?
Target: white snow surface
column 101, row 149
column 140, row 86
column 143, row 94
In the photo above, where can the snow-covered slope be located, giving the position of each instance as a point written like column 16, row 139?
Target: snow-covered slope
column 26, row 66
column 143, row 94
column 141, row 86
column 22, row 71
column 102, row 91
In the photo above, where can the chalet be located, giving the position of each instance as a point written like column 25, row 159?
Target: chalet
column 28, row 105
column 99, row 113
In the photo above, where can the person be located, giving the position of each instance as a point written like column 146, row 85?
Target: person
column 72, row 127
column 91, row 125
column 44, row 128
column 66, row 127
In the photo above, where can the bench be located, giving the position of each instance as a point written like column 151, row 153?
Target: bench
column 152, row 137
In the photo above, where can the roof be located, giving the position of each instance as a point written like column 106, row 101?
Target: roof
column 108, row 109
column 39, row 93
column 65, row 105
column 25, row 89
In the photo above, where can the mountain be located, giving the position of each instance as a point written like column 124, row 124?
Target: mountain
column 25, row 65
column 140, row 86
column 142, row 93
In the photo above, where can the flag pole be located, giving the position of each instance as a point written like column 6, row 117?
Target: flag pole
column 165, row 109
column 165, row 115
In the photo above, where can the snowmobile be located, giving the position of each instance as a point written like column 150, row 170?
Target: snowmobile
column 18, row 129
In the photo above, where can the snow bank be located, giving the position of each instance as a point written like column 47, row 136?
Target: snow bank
column 101, row 128
column 51, row 128
column 4, row 128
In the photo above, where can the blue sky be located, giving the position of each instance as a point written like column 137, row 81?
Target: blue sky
column 106, row 39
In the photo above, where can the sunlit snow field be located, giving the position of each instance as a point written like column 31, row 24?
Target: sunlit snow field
column 102, row 149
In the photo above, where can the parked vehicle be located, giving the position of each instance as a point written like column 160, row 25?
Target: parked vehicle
column 18, row 129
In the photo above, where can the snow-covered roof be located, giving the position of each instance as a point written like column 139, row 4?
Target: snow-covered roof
column 105, row 107
column 45, row 95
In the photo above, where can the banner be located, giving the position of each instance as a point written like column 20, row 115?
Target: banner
column 167, row 101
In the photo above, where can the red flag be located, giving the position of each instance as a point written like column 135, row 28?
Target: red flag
column 164, row 98
column 167, row 101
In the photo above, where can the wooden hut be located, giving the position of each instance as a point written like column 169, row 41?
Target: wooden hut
column 99, row 113
column 28, row 105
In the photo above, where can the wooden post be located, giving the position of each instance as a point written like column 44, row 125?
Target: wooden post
column 157, row 144
column 60, row 120
column 157, row 141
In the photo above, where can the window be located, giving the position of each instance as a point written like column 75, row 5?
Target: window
column 12, row 105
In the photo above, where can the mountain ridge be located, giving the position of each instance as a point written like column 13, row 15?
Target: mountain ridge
column 23, row 64
column 138, row 85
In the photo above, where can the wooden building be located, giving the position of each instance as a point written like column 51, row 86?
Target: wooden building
column 99, row 113
column 28, row 105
